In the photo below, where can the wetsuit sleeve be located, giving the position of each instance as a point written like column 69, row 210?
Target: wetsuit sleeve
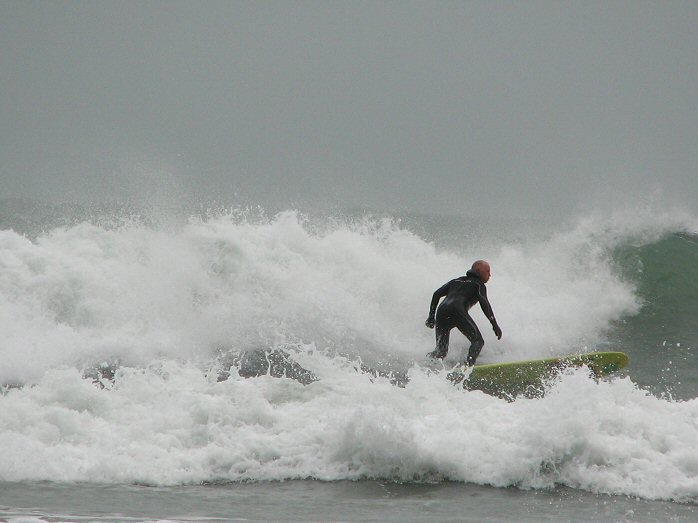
column 438, row 294
column 485, row 304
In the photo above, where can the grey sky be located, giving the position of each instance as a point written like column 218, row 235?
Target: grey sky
column 444, row 106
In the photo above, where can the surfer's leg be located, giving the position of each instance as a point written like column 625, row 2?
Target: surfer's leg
column 467, row 326
column 474, row 351
column 443, row 331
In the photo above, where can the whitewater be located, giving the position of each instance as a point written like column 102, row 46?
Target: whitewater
column 169, row 307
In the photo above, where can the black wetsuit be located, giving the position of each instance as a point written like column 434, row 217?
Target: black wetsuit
column 460, row 295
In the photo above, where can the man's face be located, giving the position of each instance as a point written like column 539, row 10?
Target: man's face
column 484, row 272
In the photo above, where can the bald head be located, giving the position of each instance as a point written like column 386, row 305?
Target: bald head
column 482, row 268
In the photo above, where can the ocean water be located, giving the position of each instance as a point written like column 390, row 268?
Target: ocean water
column 122, row 333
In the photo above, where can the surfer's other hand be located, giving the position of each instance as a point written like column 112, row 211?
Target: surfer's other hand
column 430, row 322
column 497, row 331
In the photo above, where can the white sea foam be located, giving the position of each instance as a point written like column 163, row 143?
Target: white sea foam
column 164, row 303
column 171, row 424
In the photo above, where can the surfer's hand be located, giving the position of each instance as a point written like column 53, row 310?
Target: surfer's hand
column 430, row 322
column 497, row 331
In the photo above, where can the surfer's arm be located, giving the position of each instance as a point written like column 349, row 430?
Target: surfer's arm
column 487, row 309
column 438, row 294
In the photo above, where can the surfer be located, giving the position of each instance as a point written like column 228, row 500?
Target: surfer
column 460, row 295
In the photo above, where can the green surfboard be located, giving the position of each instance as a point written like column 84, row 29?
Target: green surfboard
column 529, row 377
